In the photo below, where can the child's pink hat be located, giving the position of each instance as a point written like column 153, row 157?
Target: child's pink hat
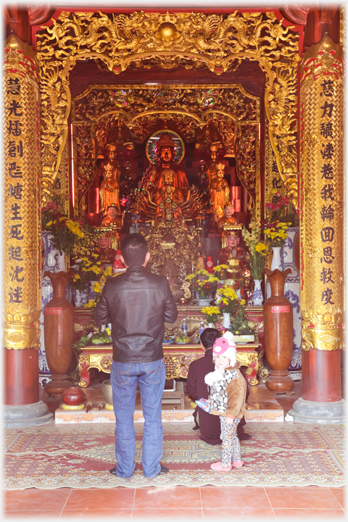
column 226, row 346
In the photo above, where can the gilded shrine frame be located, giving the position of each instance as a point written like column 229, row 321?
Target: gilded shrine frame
column 218, row 42
column 234, row 112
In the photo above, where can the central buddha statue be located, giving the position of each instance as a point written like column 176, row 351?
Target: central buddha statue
column 166, row 173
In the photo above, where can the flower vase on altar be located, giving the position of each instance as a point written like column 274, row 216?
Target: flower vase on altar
column 210, row 325
column 92, row 294
column 226, row 321
column 257, row 294
column 80, row 297
column 276, row 259
column 203, row 299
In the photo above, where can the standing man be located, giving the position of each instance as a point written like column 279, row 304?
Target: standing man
column 137, row 303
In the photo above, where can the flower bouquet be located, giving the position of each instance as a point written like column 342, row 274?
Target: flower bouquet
column 220, row 271
column 258, row 250
column 229, row 303
column 276, row 233
column 211, row 313
column 66, row 232
column 282, row 209
column 203, row 283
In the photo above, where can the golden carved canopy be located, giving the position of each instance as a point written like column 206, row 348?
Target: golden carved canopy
column 219, row 42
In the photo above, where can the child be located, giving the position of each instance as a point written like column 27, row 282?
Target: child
column 209, row 425
column 227, row 399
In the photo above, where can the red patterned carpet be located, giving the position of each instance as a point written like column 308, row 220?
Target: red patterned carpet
column 278, row 454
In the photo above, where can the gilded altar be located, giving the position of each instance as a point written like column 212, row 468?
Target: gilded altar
column 177, row 357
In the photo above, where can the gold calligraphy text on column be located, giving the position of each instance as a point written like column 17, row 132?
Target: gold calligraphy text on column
column 321, row 190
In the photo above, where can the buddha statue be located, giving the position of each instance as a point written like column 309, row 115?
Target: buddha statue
column 219, row 192
column 110, row 186
column 166, row 173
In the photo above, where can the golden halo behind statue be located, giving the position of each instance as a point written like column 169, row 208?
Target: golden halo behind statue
column 151, row 146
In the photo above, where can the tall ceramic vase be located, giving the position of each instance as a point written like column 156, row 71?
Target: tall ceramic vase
column 278, row 328
column 58, row 332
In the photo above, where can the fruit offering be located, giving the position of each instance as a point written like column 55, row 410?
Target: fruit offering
column 181, row 339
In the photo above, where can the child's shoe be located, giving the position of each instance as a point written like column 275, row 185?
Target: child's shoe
column 217, row 466
column 237, row 463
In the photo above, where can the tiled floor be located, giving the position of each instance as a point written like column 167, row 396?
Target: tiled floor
column 179, row 503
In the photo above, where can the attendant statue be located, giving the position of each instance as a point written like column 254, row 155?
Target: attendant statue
column 228, row 218
column 219, row 192
column 111, row 153
column 233, row 255
column 110, row 186
column 112, row 218
column 211, row 169
column 166, row 172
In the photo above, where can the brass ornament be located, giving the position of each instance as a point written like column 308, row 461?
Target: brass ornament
column 218, row 42
column 322, row 204
column 22, row 227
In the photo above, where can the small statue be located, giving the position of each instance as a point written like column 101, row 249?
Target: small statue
column 233, row 255
column 110, row 186
column 106, row 254
column 227, row 218
column 118, row 264
column 210, row 265
column 112, row 217
column 219, row 192
column 211, row 169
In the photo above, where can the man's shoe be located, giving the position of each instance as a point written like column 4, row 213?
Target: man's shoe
column 163, row 470
column 113, row 471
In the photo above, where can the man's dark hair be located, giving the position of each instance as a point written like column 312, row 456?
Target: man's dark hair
column 134, row 249
column 209, row 336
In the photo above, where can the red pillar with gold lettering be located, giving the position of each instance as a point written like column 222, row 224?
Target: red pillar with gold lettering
column 22, row 237
column 321, row 233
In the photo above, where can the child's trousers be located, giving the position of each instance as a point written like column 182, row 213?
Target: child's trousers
column 230, row 442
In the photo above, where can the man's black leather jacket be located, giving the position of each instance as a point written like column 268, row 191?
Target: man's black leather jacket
column 137, row 303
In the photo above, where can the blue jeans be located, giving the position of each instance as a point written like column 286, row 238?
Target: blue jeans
column 124, row 379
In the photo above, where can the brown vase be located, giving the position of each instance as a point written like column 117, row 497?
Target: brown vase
column 278, row 329
column 58, row 332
